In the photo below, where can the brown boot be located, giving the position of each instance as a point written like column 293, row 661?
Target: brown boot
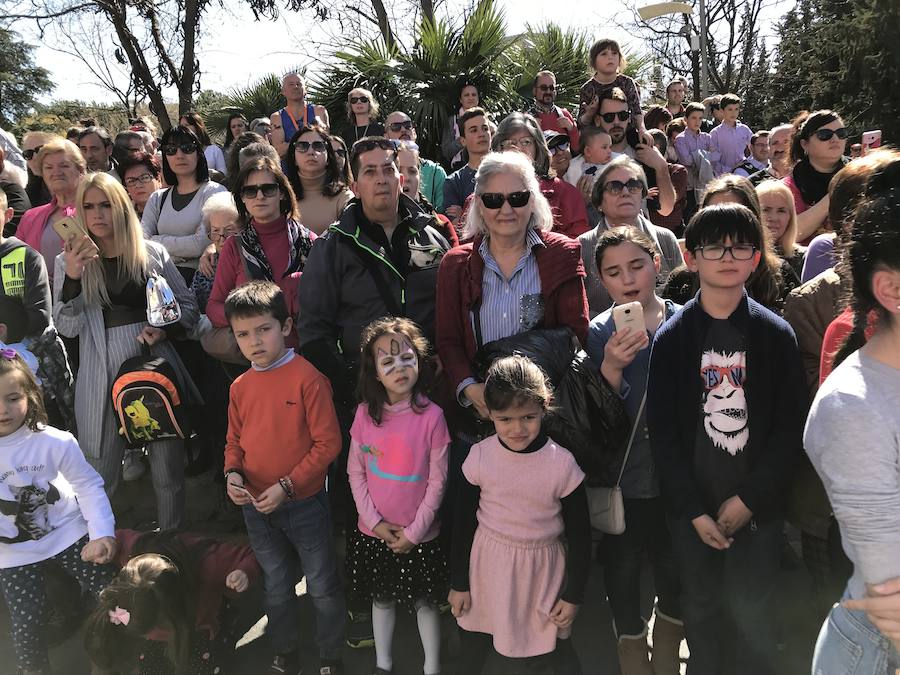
column 633, row 654
column 667, row 636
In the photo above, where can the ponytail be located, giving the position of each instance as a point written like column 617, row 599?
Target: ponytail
column 857, row 337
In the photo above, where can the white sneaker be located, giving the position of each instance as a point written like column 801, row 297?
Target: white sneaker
column 133, row 466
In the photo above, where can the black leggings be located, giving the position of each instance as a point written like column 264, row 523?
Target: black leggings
column 475, row 648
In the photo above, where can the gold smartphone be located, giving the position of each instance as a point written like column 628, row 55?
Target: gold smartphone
column 68, row 229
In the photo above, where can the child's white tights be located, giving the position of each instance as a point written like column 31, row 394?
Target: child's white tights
column 384, row 616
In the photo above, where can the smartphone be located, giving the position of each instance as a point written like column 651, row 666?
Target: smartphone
column 872, row 139
column 68, row 228
column 241, row 488
column 629, row 315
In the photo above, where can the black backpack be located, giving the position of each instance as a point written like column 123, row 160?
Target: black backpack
column 148, row 401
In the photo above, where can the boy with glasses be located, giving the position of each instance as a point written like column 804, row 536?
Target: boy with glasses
column 726, row 403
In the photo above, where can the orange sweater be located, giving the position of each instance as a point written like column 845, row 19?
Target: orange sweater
column 281, row 422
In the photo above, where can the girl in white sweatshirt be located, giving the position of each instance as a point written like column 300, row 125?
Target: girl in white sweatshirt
column 52, row 506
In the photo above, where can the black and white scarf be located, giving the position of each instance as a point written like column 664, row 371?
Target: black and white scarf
column 258, row 267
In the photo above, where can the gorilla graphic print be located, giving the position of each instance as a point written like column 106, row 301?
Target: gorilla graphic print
column 724, row 403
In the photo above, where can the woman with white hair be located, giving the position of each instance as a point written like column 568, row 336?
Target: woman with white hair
column 220, row 219
column 515, row 274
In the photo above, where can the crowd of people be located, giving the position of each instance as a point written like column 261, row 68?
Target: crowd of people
column 315, row 303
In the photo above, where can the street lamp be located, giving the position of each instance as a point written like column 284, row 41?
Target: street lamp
column 654, row 10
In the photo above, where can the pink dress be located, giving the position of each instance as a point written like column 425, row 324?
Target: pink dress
column 518, row 562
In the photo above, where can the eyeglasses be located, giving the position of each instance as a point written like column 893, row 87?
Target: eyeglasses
column 826, row 134
column 359, row 99
column 223, row 234
column 305, row 146
column 494, row 200
column 713, row 376
column 547, row 87
column 397, row 126
column 187, row 148
column 559, row 147
column 340, row 152
column 717, row 251
column 615, row 187
column 31, row 152
column 367, row 144
column 267, row 189
column 622, row 116
column 520, row 143
column 143, row 179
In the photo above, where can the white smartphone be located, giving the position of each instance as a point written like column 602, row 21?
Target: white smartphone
column 872, row 139
column 630, row 315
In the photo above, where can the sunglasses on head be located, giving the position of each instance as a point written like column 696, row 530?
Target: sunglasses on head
column 31, row 152
column 397, row 126
column 305, row 146
column 267, row 189
column 622, row 116
column 359, row 99
column 494, row 200
column 826, row 134
column 367, row 144
column 187, row 147
column 615, row 187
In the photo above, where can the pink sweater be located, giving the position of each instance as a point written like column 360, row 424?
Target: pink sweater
column 231, row 273
column 398, row 470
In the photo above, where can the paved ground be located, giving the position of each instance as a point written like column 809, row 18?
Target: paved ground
column 797, row 620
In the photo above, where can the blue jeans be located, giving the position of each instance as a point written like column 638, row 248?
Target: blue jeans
column 849, row 644
column 731, row 587
column 299, row 528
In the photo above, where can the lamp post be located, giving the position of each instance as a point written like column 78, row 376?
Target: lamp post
column 654, row 10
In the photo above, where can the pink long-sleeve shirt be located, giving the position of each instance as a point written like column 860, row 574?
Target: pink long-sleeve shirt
column 398, row 469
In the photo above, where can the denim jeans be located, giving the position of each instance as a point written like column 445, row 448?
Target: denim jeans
column 646, row 533
column 729, row 588
column 849, row 644
column 299, row 528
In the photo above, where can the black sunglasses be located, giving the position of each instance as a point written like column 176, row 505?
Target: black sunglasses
column 340, row 152
column 31, row 152
column 397, row 126
column 494, row 200
column 826, row 134
column 615, row 187
column 304, row 146
column 547, row 87
column 622, row 115
column 268, row 190
column 187, row 147
column 359, row 99
column 367, row 144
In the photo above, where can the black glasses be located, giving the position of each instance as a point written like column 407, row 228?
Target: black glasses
column 397, row 126
column 31, row 152
column 494, row 200
column 622, row 116
column 547, row 87
column 367, row 144
column 267, row 189
column 143, row 179
column 826, row 134
column 615, row 187
column 305, row 146
column 340, row 152
column 717, row 251
column 359, row 99
column 187, row 148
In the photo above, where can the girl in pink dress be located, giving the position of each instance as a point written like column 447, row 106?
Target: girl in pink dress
column 398, row 470
column 513, row 584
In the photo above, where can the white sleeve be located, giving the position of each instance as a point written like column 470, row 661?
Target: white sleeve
column 88, row 487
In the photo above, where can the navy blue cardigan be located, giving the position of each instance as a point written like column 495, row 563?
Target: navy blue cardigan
column 777, row 402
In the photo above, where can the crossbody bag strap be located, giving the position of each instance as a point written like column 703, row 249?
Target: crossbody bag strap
column 381, row 284
column 637, row 421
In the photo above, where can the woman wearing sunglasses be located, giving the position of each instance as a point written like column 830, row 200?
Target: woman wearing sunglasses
column 172, row 216
column 273, row 246
column 362, row 116
column 514, row 274
column 312, row 169
column 817, row 153
column 617, row 195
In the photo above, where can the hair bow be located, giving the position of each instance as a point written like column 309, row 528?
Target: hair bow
column 119, row 616
column 9, row 354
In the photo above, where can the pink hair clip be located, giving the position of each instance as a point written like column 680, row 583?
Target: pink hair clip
column 119, row 616
column 9, row 354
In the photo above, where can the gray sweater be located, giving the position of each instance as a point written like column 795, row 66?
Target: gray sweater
column 181, row 232
column 853, row 439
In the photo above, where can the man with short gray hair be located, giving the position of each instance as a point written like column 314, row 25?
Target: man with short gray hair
column 296, row 114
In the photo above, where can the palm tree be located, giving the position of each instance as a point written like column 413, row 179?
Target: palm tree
column 564, row 52
column 260, row 99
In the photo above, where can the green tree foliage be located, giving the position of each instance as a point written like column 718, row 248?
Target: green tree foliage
column 843, row 55
column 21, row 81
column 259, row 99
column 59, row 116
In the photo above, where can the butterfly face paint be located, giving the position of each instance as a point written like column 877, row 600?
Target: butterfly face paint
column 393, row 354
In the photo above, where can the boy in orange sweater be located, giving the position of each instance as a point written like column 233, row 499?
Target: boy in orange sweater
column 282, row 435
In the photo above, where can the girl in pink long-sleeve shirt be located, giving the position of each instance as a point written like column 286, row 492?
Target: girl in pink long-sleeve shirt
column 398, row 470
